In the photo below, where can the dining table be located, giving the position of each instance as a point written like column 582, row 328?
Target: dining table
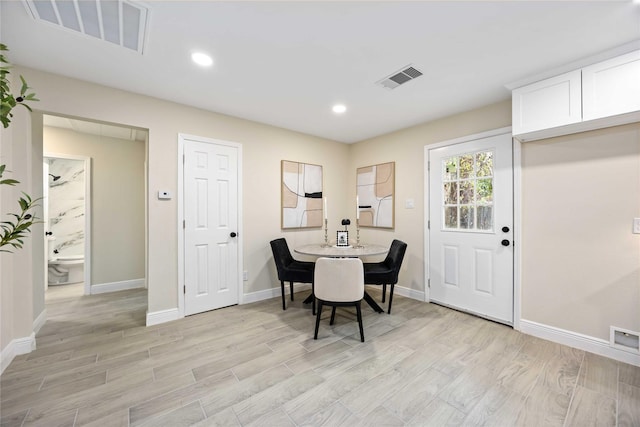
column 350, row 251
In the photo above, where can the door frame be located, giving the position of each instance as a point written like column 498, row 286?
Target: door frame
column 182, row 137
column 517, row 213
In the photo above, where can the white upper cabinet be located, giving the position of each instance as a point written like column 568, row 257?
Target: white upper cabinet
column 611, row 87
column 548, row 103
column 597, row 96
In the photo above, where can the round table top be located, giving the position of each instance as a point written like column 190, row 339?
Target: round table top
column 332, row 251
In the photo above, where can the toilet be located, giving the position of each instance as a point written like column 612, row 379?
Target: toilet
column 64, row 270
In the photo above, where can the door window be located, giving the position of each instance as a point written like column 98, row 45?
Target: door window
column 468, row 192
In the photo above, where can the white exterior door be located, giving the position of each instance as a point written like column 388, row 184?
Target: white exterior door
column 211, row 274
column 471, row 227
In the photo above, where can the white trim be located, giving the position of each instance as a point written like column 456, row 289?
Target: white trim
column 15, row 348
column 517, row 233
column 40, row 321
column 240, row 232
column 87, row 215
column 102, row 288
column 579, row 341
column 298, row 287
column 426, row 223
column 163, row 316
column 409, row 293
column 273, row 293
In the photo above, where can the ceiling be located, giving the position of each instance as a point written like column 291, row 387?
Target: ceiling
column 287, row 63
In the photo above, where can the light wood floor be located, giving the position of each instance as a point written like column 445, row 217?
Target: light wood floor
column 256, row 365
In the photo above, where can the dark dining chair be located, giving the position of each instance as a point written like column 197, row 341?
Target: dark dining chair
column 386, row 272
column 339, row 282
column 289, row 269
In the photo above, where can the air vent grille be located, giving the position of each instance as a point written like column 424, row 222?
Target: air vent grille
column 120, row 22
column 398, row 78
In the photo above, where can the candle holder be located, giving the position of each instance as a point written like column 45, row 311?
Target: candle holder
column 358, row 245
column 326, row 237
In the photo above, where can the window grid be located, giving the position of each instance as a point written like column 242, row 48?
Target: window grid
column 467, row 181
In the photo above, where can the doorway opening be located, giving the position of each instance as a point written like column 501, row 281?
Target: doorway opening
column 95, row 188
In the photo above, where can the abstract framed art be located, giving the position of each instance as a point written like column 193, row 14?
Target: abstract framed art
column 375, row 188
column 301, row 195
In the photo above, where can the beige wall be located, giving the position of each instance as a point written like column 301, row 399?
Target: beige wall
column 117, row 201
column 263, row 148
column 22, row 285
column 580, row 261
column 588, row 305
column 406, row 148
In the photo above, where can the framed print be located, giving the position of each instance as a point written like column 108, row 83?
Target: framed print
column 342, row 238
column 375, row 188
column 301, row 195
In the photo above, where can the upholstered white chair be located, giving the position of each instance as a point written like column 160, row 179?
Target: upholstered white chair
column 338, row 282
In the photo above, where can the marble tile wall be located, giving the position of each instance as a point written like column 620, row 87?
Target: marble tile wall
column 67, row 205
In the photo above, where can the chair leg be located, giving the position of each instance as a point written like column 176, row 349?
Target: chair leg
column 313, row 300
column 384, row 291
column 333, row 315
column 315, row 334
column 390, row 298
column 359, row 313
column 284, row 307
column 291, row 290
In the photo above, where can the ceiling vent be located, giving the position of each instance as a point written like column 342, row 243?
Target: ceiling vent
column 398, row 78
column 116, row 21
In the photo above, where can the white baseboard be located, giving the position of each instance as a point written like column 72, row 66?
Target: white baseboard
column 579, row 341
column 409, row 293
column 102, row 288
column 40, row 321
column 15, row 348
column 273, row 292
column 163, row 316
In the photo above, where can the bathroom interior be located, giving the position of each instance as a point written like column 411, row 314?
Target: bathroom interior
column 94, row 208
column 65, row 216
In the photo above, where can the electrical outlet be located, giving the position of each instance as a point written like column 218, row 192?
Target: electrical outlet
column 636, row 225
column 245, row 275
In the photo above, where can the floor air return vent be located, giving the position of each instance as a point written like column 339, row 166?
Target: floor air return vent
column 625, row 340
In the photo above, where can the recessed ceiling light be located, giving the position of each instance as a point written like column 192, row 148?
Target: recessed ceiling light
column 339, row 108
column 201, row 59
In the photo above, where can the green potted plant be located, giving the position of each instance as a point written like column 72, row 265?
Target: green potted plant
column 14, row 231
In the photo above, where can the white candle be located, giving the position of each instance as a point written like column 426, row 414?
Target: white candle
column 357, row 208
column 325, row 208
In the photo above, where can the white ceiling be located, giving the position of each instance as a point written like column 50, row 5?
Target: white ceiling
column 287, row 63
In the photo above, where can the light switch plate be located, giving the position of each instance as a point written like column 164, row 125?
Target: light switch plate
column 409, row 204
column 636, row 225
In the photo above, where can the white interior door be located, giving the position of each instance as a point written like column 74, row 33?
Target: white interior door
column 211, row 274
column 471, row 227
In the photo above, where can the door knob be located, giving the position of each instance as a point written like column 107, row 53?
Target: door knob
column 505, row 242
column 233, row 234
column 505, row 229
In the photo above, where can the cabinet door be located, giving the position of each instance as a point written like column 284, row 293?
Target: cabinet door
column 547, row 104
column 611, row 87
